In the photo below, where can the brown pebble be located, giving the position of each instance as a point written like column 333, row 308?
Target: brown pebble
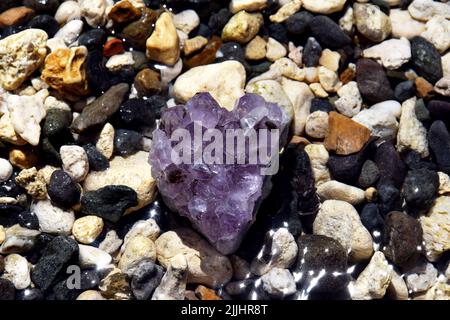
column 423, row 87
column 113, row 47
column 23, row 158
column 124, row 12
column 147, row 82
column 204, row 293
column 206, row 56
column 15, row 16
column 347, row 75
column 345, row 136
column 137, row 32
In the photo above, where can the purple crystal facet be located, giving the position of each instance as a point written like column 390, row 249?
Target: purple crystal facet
column 220, row 199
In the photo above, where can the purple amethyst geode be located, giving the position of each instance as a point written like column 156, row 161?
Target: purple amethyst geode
column 219, row 197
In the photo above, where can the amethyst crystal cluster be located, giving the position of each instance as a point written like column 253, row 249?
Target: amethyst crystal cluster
column 221, row 197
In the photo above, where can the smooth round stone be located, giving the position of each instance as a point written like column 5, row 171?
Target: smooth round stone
column 28, row 219
column 420, row 188
column 373, row 83
column 97, row 161
column 9, row 188
column 298, row 23
column 405, row 90
column 278, row 32
column 312, row 53
column 6, row 170
column 369, row 174
column 137, row 32
column 87, row 229
column 63, row 190
column 373, row 221
column 47, row 6
column 218, row 20
column 148, row 82
column 321, row 105
column 46, row 23
column 328, row 32
column 93, row 39
column 56, row 122
column 126, row 142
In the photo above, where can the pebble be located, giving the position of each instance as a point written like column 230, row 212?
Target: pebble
column 23, row 158
column 205, row 265
column 256, row 49
column 318, row 90
column 173, row 283
column 115, row 286
column 120, row 62
column 340, row 221
column 70, row 32
column 369, row 174
column 126, row 142
column 194, row 44
column 2, row 235
column 444, row 183
column 317, row 253
column 52, row 219
column 421, row 278
column 58, row 252
column 225, row 90
column 33, row 183
column 247, row 5
column 426, row 60
column 318, row 156
column 286, row 11
column 63, row 190
column 437, row 32
column 402, row 238
column 68, row 11
column 6, row 170
column 317, row 124
column 22, row 54
column 186, row 21
column 137, row 32
column 123, row 13
column 241, row 268
column 163, row 45
column 75, row 162
column 298, row 22
column 146, row 228
column 274, row 50
column 425, row 10
column 17, row 271
column 405, row 90
column 15, row 16
column 279, row 283
column 93, row 11
column 403, row 25
column 90, row 295
column 18, row 239
column 445, row 59
column 312, row 53
column 397, row 289
column 105, row 142
column 242, row 27
column 279, row 250
column 47, row 6
column 345, row 136
column 371, row 22
column 439, row 143
column 373, row 281
column 109, row 202
column 92, row 257
column 350, row 101
column 372, row 81
column 436, row 234
column 443, row 86
column 392, row 54
column 328, row 32
column 97, row 161
column 111, row 243
column 330, row 60
column 56, row 122
column 86, row 229
column 98, row 112
column 136, row 249
column 145, row 279
column 324, row 6
column 335, row 190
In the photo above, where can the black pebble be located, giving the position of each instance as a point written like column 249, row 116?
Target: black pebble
column 439, row 109
column 46, row 23
column 63, row 191
column 93, row 39
column 318, row 104
column 145, row 279
column 9, row 214
column 49, row 153
column 426, row 60
column 369, row 174
column 97, row 161
column 328, row 32
column 388, row 197
column 420, row 188
column 278, row 32
column 373, row 82
column 7, row 290
column 405, row 90
column 298, row 23
column 55, row 257
column 109, row 202
column 373, row 221
column 421, row 111
column 439, row 141
column 390, row 164
column 126, row 142
column 96, row 72
column 136, row 112
column 202, row 30
column 218, row 20
column 312, row 53
column 9, row 188
column 28, row 219
column 56, row 122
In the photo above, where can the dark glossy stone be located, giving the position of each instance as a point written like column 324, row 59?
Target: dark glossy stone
column 439, row 142
column 100, row 110
column 28, row 219
column 388, row 197
column 312, row 53
column 93, row 39
column 7, row 290
column 57, row 254
column 9, row 214
column 30, row 294
column 316, row 253
column 373, row 221
column 12, row 30
column 46, row 23
column 63, row 190
column 96, row 72
column 218, row 20
column 126, row 142
column 420, row 188
column 137, row 32
column 318, row 104
column 40, row 244
column 109, row 202
column 298, row 23
column 405, row 90
column 369, row 174
column 202, row 30
column 56, row 121
column 49, row 153
column 402, row 238
column 426, row 59
column 278, row 32
column 328, row 32
column 136, row 112
column 145, row 279
column 390, row 164
column 97, row 161
column 44, row 6
column 373, row 82
column 10, row 188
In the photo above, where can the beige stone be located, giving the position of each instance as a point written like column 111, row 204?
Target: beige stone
column 335, row 190
column 256, row 49
column 397, row 289
column 2, row 234
column 247, row 5
column 403, row 25
column 318, row 90
column 329, row 80
column 242, row 27
column 163, row 45
column 318, row 156
column 324, row 6
column 330, row 60
column 33, row 183
column 137, row 249
column 90, row 295
column 373, row 23
column 194, row 44
column 444, row 183
column 286, row 11
column 86, row 229
column 105, row 142
column 317, row 124
column 275, row 50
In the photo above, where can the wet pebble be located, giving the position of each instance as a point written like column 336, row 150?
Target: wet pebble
column 420, row 188
column 97, row 161
column 426, row 60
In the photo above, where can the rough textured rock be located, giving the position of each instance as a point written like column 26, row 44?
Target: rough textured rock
column 173, row 283
column 53, row 219
column 21, row 54
column 145, row 279
column 17, row 271
column 420, row 189
column 328, row 32
column 373, row 82
column 242, row 27
column 75, row 161
column 371, row 22
column 205, row 264
column 63, row 190
column 318, row 156
column 136, row 249
column 426, row 60
column 92, row 257
column 18, row 239
column 424, row 10
column 334, row 190
column 33, row 182
column 163, row 45
column 439, row 143
column 422, row 277
column 286, row 10
column 86, row 229
column 350, row 101
column 391, row 53
column 279, row 283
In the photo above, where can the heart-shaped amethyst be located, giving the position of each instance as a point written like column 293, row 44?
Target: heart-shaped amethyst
column 219, row 190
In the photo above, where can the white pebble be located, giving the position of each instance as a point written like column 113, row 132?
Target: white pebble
column 75, row 162
column 67, row 11
column 52, row 219
column 70, row 32
column 6, row 170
